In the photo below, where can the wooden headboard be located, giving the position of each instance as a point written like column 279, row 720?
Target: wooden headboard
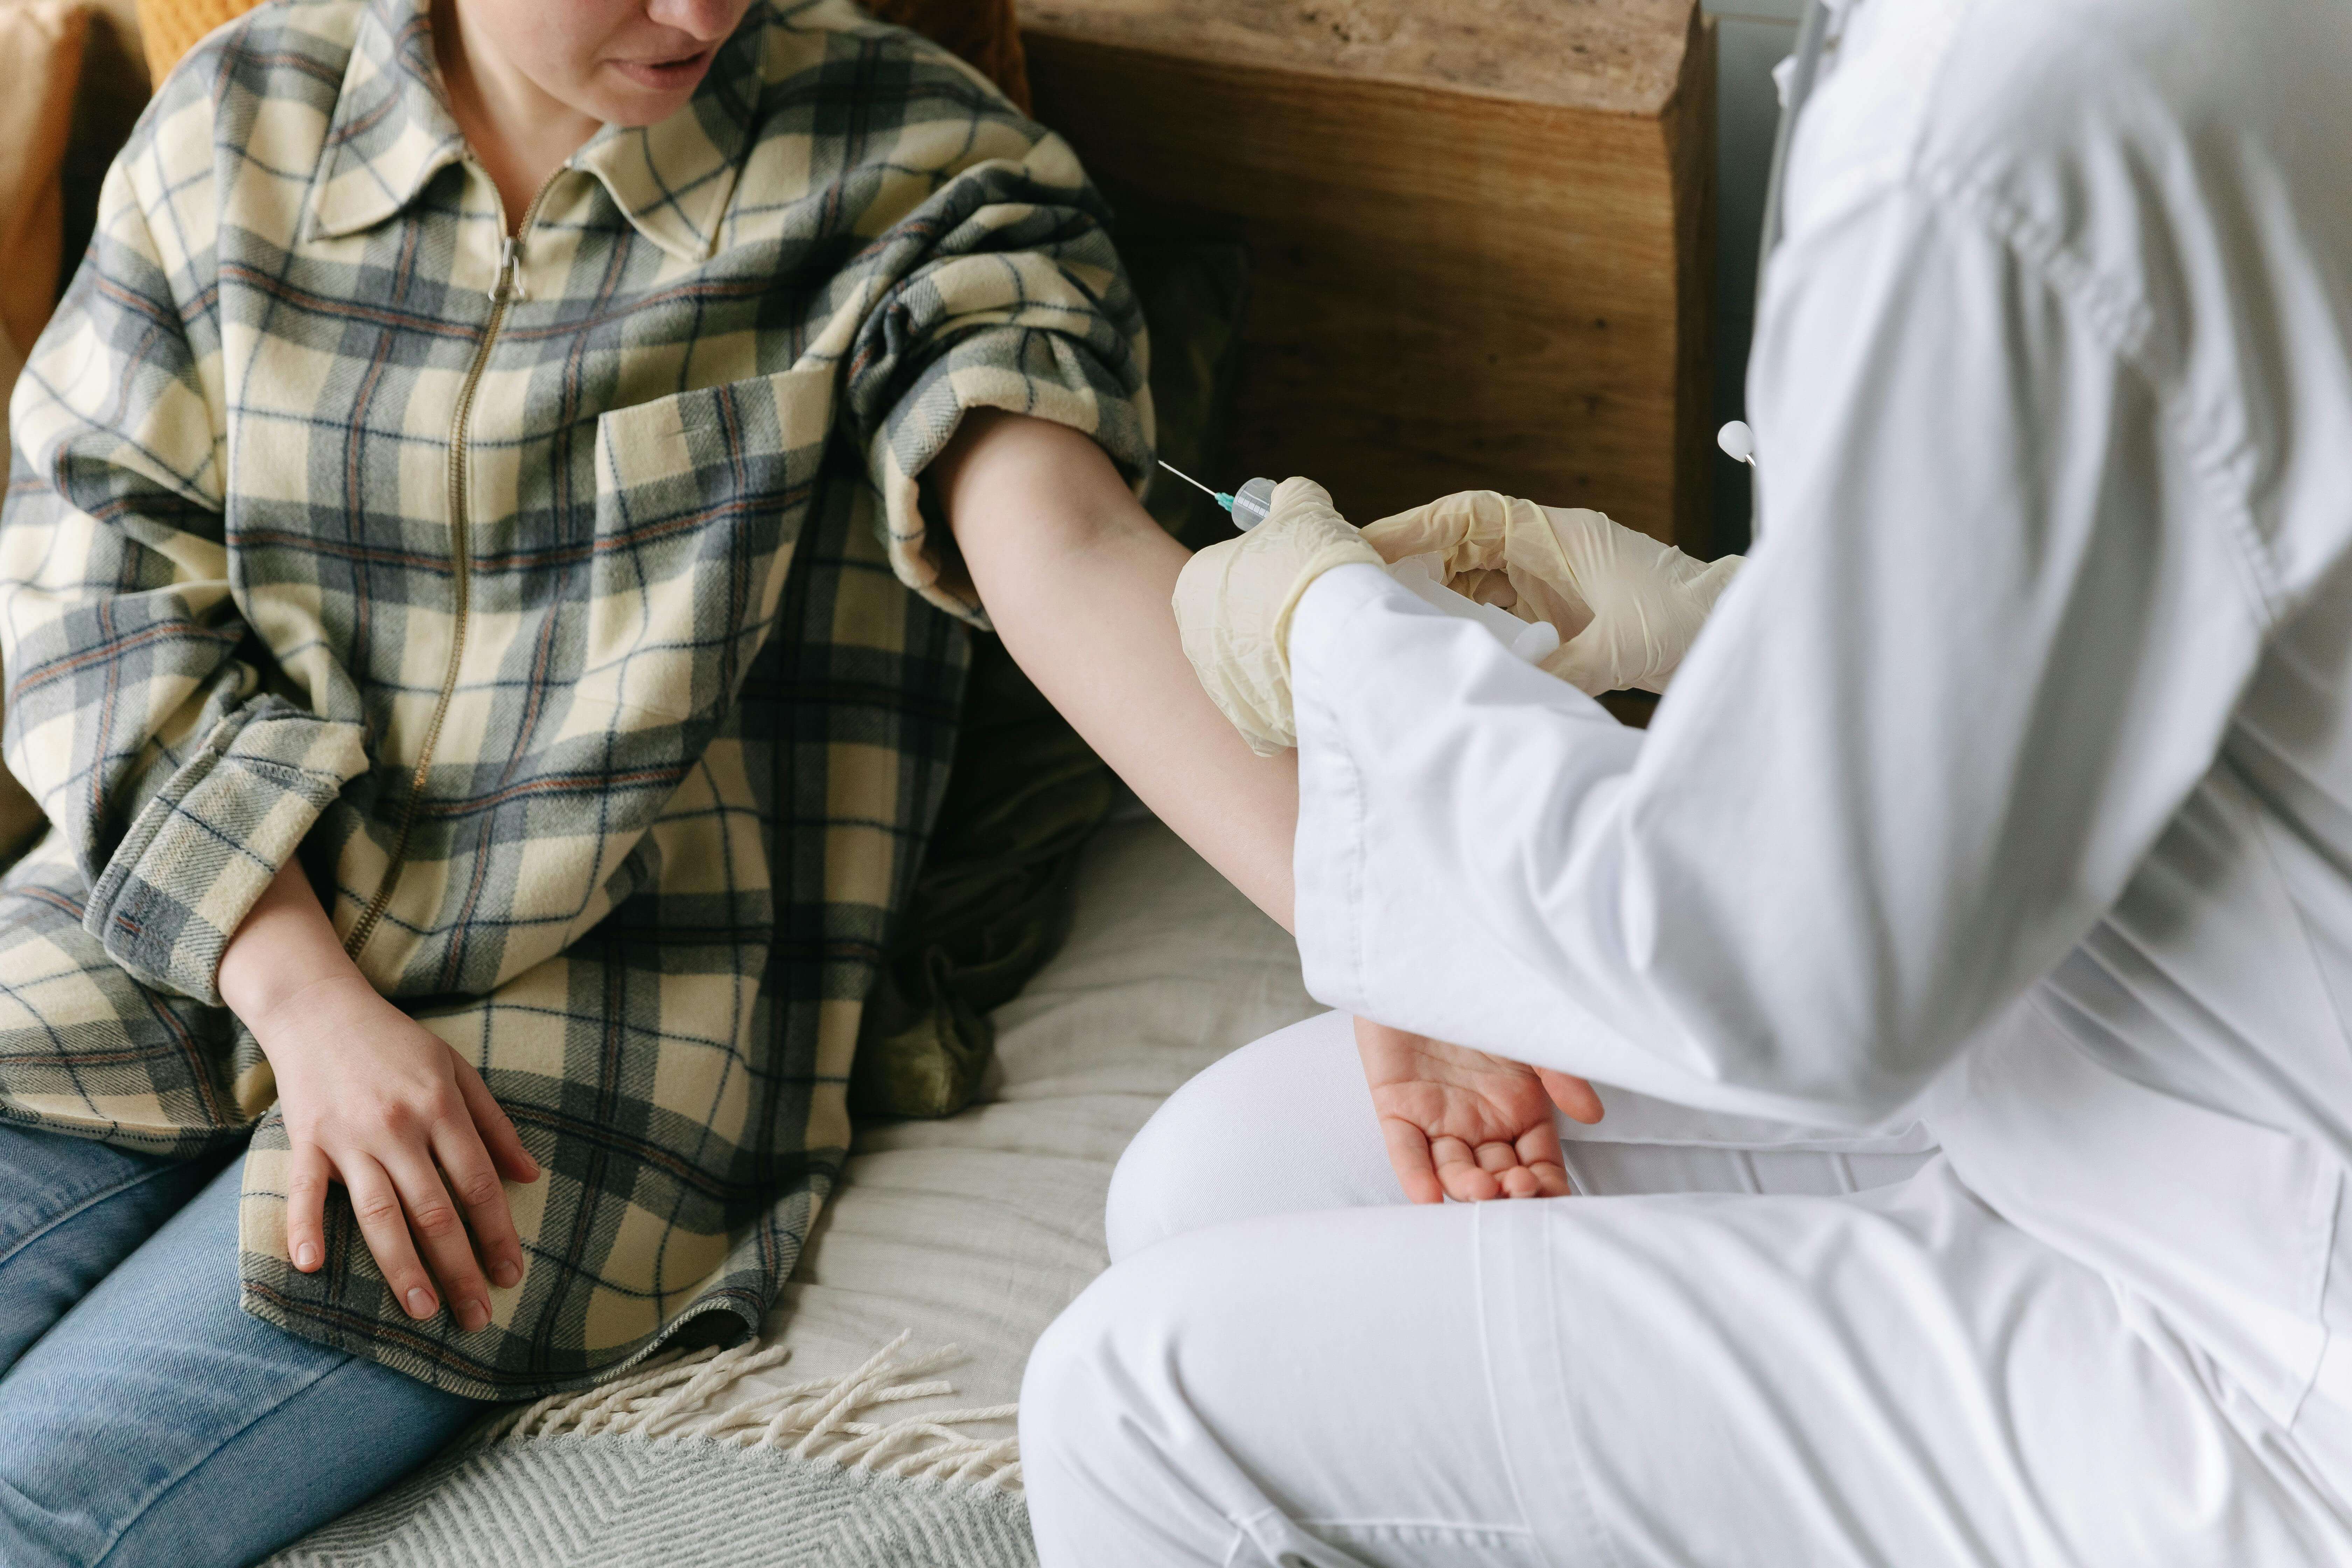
column 1481, row 230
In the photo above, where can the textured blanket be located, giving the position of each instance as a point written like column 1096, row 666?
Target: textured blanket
column 623, row 1502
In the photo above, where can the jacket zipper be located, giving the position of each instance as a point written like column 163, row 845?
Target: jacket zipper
column 503, row 292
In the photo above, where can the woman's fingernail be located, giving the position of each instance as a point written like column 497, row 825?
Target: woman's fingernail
column 532, row 1165
column 506, row 1274
column 306, row 1256
column 420, row 1302
column 472, row 1315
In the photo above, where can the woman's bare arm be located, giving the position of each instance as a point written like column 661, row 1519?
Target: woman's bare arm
column 1077, row 578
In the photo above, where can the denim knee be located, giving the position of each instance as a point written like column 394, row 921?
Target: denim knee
column 70, row 1209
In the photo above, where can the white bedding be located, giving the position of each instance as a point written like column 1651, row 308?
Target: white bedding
column 976, row 1230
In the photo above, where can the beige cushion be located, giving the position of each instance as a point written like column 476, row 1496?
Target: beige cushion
column 40, row 65
column 978, row 1229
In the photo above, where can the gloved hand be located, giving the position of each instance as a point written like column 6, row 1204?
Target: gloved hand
column 1627, row 608
column 1233, row 603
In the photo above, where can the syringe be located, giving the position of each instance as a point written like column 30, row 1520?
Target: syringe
column 1249, row 508
column 1533, row 641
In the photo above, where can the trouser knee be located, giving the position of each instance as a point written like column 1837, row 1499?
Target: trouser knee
column 1102, row 1459
column 1283, row 1125
column 1071, row 1393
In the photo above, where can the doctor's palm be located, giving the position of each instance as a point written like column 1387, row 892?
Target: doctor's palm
column 1465, row 1124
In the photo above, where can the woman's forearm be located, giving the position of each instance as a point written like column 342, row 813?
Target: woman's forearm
column 285, row 945
column 1077, row 578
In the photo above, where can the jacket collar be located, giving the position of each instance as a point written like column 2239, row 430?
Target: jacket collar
column 391, row 132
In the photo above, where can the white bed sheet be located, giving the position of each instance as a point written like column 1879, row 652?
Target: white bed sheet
column 976, row 1231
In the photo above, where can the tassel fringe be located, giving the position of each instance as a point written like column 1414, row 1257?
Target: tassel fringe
column 814, row 1420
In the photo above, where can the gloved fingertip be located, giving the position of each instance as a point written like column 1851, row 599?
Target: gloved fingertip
column 1400, row 538
column 1577, row 666
column 1708, row 584
column 1440, row 526
column 1297, row 488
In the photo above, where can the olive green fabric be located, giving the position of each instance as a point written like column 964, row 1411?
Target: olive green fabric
column 993, row 900
column 992, row 903
column 1194, row 296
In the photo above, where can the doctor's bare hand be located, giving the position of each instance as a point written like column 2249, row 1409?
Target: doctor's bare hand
column 1463, row 1124
column 373, row 1099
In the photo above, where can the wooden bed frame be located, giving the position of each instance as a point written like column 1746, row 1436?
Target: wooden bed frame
column 1481, row 230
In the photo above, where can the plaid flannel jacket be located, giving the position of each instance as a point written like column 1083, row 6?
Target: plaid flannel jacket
column 550, row 600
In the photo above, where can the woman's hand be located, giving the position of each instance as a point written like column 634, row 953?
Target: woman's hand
column 373, row 1099
column 376, row 1101
column 1461, row 1124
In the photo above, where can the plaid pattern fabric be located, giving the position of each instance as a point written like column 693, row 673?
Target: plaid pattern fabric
column 558, row 619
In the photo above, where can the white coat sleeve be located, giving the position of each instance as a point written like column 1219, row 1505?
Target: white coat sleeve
column 1987, row 644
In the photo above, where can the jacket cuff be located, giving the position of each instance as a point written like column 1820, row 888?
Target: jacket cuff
column 1327, row 857
column 199, row 856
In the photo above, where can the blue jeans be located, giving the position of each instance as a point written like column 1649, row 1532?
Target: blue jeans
column 144, row 1419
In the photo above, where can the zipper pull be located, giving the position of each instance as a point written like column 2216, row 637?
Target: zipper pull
column 510, row 281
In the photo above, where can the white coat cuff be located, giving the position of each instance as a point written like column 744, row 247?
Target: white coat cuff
column 1328, row 860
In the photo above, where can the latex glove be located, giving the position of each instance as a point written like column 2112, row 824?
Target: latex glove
column 1233, row 603
column 1627, row 608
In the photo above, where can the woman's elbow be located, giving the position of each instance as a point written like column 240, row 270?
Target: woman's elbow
column 1016, row 488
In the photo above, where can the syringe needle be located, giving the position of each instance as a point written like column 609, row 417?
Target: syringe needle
column 1219, row 497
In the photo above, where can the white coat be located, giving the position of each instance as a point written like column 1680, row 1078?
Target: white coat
column 2009, row 786
column 2011, row 783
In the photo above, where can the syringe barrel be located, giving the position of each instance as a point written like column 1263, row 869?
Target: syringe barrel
column 1252, row 502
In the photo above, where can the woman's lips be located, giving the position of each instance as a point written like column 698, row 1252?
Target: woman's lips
column 665, row 76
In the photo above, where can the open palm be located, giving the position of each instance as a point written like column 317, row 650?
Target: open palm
column 1462, row 1123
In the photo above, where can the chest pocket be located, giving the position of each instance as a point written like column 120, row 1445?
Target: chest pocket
column 700, row 499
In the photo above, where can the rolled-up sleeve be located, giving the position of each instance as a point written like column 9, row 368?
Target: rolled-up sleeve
column 137, row 713
column 999, row 290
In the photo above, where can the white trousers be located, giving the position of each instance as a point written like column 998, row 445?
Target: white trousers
column 1742, row 1345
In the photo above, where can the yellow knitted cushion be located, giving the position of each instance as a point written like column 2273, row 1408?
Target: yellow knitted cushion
column 170, row 28
column 983, row 32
